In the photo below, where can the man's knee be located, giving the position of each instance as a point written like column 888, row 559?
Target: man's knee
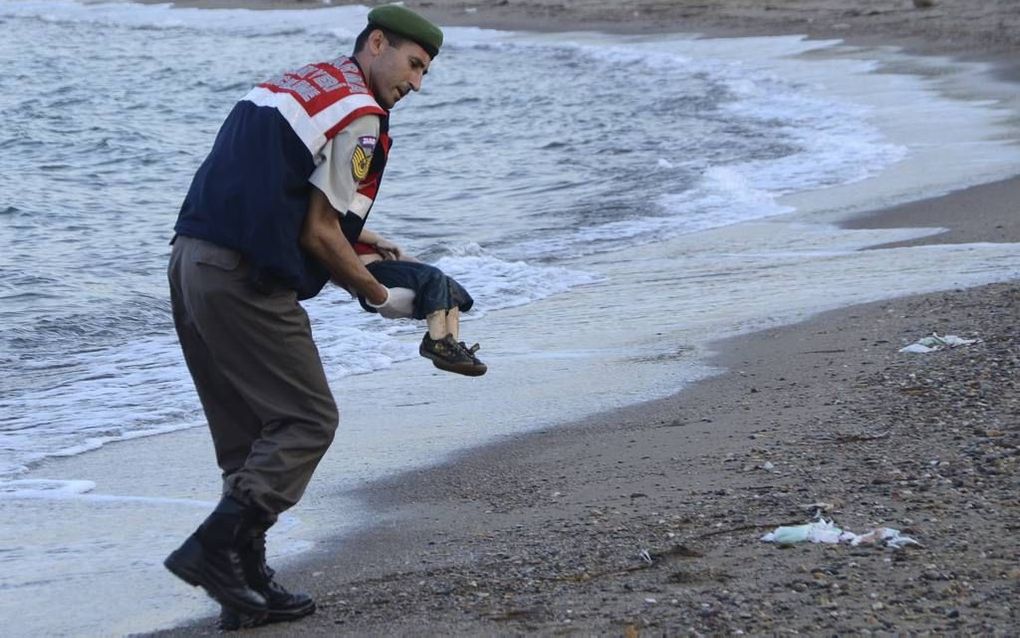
column 328, row 421
column 312, row 428
column 316, row 403
column 332, row 423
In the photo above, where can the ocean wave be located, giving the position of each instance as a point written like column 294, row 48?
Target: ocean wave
column 140, row 387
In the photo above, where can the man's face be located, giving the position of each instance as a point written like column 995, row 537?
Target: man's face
column 396, row 71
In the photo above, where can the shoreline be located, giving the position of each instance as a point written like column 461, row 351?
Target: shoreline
column 542, row 534
column 993, row 216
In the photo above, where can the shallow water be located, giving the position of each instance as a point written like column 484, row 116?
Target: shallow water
column 613, row 203
column 501, row 171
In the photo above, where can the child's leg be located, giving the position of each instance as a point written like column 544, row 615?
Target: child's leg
column 437, row 324
column 453, row 322
column 444, row 322
column 438, row 300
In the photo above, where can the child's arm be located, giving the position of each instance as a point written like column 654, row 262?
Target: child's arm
column 387, row 248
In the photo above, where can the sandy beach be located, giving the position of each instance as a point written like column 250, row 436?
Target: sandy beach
column 646, row 521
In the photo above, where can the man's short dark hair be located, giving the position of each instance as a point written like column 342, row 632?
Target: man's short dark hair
column 394, row 39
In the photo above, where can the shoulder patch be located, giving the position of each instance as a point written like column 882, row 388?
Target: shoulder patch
column 361, row 159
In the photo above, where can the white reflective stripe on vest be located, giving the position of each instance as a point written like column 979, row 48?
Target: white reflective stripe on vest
column 311, row 130
column 360, row 205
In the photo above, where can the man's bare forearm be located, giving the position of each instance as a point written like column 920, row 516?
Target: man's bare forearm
column 322, row 238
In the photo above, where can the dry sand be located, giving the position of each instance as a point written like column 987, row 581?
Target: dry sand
column 544, row 535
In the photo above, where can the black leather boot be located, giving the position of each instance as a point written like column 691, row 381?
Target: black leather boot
column 209, row 559
column 282, row 605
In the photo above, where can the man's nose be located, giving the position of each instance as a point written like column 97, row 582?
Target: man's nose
column 416, row 79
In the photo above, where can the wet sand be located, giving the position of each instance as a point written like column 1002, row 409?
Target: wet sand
column 645, row 521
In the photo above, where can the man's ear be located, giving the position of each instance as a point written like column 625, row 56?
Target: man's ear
column 376, row 41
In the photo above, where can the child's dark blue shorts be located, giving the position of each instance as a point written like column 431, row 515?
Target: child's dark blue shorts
column 433, row 290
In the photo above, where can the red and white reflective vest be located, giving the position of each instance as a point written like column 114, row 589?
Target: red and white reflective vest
column 251, row 192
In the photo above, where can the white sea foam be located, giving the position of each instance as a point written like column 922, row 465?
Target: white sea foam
column 80, row 490
column 45, row 487
column 116, row 394
column 142, row 389
column 832, row 142
column 496, row 284
column 838, row 141
column 723, row 196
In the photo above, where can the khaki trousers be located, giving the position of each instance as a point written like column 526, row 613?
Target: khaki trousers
column 257, row 372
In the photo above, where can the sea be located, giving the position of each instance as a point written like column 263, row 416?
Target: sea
column 614, row 203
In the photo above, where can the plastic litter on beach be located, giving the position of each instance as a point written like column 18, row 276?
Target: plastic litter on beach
column 936, row 342
column 825, row 531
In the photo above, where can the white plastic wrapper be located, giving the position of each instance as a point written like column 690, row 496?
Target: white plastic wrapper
column 823, row 531
column 935, row 342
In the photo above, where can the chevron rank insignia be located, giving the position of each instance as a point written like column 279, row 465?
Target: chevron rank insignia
column 361, row 160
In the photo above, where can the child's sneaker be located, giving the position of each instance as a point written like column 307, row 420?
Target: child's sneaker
column 452, row 356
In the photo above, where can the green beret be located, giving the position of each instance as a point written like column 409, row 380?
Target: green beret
column 407, row 23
